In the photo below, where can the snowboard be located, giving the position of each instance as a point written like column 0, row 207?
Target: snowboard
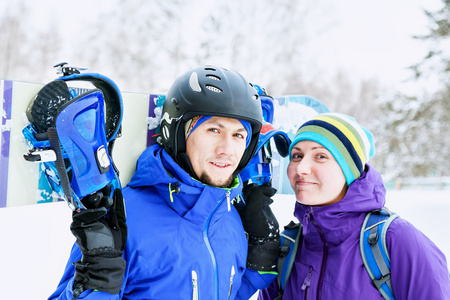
column 290, row 112
column 24, row 183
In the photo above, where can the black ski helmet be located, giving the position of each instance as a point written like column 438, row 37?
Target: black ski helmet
column 209, row 91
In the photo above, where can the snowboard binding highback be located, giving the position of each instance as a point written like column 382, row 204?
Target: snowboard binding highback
column 259, row 169
column 72, row 133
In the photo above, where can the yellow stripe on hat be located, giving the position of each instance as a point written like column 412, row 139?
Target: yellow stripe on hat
column 363, row 135
column 358, row 132
column 347, row 132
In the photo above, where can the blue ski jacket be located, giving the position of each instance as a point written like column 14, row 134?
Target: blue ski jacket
column 185, row 239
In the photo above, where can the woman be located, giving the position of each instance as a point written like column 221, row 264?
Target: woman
column 335, row 188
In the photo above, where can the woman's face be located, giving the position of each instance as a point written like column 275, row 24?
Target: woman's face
column 315, row 176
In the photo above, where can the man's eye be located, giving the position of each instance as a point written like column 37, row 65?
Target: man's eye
column 214, row 129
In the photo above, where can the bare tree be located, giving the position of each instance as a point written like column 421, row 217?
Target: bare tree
column 413, row 131
column 13, row 44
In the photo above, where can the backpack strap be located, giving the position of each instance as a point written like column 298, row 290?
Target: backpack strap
column 374, row 250
column 290, row 241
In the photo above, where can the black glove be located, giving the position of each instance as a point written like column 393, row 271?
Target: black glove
column 101, row 233
column 261, row 226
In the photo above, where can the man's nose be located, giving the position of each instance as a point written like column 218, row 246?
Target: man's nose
column 225, row 146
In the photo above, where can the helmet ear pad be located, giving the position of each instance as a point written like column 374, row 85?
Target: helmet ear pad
column 179, row 148
column 172, row 138
column 176, row 146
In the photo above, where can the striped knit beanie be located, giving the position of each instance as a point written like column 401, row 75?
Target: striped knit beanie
column 351, row 144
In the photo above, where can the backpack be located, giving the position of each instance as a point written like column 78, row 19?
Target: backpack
column 372, row 247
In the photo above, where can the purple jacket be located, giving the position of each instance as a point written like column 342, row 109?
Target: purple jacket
column 329, row 265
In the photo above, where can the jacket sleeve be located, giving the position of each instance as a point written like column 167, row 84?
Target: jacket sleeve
column 269, row 293
column 418, row 268
column 253, row 281
column 65, row 287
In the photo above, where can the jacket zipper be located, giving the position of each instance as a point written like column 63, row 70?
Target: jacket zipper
column 194, row 285
column 208, row 245
column 324, row 258
column 306, row 218
column 307, row 282
column 231, row 281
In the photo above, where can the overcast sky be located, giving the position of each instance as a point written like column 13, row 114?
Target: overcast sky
column 368, row 38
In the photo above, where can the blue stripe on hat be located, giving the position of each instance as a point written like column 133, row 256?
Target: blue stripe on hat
column 246, row 125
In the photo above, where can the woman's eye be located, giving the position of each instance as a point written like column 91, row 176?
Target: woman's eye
column 214, row 129
column 296, row 156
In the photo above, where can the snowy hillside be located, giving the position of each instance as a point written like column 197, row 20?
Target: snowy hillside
column 36, row 239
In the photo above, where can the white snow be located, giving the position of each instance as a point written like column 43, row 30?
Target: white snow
column 36, row 239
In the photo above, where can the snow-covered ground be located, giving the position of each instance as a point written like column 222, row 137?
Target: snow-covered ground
column 36, row 239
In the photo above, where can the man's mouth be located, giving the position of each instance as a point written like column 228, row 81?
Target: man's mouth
column 220, row 165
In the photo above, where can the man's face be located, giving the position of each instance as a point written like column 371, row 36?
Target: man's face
column 215, row 149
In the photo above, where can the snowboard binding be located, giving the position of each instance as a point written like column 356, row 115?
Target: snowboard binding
column 259, row 169
column 65, row 70
column 72, row 133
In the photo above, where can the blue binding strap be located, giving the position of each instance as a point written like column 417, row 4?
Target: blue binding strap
column 80, row 125
column 112, row 97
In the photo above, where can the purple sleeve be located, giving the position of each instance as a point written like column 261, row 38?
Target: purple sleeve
column 418, row 268
column 269, row 293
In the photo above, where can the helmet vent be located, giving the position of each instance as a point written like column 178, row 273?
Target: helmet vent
column 213, row 77
column 213, row 88
column 193, row 82
column 210, row 69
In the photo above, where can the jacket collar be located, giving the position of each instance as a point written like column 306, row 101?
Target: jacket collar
column 338, row 220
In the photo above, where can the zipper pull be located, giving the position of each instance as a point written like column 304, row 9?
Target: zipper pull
column 173, row 189
column 194, row 286
column 307, row 281
column 306, row 218
column 228, row 201
column 231, row 281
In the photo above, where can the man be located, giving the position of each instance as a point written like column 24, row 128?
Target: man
column 185, row 238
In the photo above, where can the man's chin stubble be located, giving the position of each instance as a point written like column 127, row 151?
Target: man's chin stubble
column 206, row 179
